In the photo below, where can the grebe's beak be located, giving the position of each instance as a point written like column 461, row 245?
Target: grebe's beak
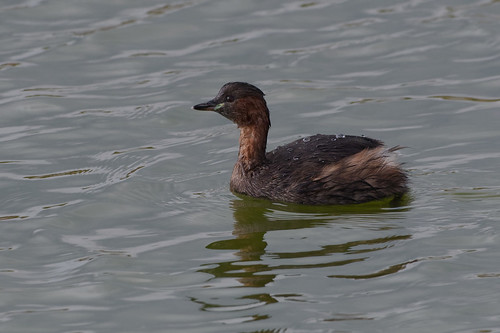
column 207, row 106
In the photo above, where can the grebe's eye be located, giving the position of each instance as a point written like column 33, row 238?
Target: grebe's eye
column 229, row 98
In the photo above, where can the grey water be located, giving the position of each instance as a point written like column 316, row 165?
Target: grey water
column 115, row 209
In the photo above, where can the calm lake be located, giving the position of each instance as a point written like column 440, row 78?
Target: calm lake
column 115, row 211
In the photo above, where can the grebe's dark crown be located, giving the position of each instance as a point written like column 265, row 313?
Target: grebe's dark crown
column 239, row 89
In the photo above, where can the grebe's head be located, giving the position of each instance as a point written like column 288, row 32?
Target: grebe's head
column 240, row 102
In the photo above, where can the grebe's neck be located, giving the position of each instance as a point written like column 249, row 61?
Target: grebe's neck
column 252, row 147
column 253, row 140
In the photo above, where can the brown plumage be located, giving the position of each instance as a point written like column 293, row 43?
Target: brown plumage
column 315, row 170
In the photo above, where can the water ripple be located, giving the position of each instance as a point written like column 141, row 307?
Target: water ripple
column 115, row 201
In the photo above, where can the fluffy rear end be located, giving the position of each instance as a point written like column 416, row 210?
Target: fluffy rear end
column 371, row 174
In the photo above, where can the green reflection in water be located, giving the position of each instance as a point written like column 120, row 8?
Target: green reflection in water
column 254, row 218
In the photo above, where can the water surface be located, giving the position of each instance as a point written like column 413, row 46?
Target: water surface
column 115, row 211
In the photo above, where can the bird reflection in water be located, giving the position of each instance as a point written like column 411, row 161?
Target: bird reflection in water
column 255, row 217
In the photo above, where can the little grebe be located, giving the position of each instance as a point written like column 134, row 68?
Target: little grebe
column 315, row 170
